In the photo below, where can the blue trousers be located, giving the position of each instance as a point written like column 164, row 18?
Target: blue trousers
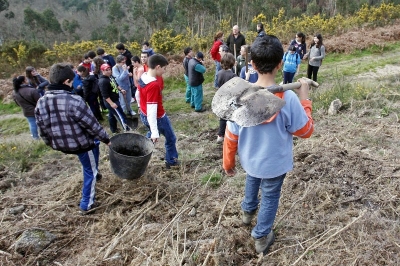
column 288, row 77
column 115, row 115
column 196, row 98
column 33, row 127
column 125, row 100
column 188, row 93
column 165, row 128
column 90, row 164
column 217, row 68
column 270, row 194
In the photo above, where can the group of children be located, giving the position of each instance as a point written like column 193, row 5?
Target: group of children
column 67, row 124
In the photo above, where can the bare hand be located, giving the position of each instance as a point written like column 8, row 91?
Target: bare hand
column 114, row 105
column 230, row 172
column 303, row 90
column 123, row 92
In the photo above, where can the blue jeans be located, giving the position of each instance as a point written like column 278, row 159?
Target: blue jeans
column 165, row 128
column 115, row 115
column 288, row 77
column 90, row 163
column 196, row 99
column 270, row 194
column 217, row 68
column 33, row 127
column 188, row 93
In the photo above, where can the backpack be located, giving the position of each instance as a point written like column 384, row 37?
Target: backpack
column 297, row 56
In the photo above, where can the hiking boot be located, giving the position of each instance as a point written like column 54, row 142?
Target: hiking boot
column 248, row 216
column 176, row 164
column 91, row 210
column 201, row 110
column 262, row 244
column 220, row 139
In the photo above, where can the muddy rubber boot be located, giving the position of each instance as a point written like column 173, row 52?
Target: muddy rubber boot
column 262, row 244
column 247, row 217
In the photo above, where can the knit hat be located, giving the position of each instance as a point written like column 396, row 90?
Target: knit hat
column 104, row 67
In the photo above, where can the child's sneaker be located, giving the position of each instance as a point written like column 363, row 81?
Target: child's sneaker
column 92, row 209
column 220, row 139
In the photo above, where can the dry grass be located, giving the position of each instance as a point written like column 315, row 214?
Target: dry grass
column 339, row 206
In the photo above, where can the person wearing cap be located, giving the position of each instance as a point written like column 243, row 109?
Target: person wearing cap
column 68, row 125
column 196, row 69
column 110, row 91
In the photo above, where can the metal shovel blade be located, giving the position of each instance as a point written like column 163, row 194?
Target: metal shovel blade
column 132, row 121
column 245, row 104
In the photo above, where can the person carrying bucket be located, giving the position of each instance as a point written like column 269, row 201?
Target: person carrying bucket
column 68, row 125
column 152, row 112
column 109, row 89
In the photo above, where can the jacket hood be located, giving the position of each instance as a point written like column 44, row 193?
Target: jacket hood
column 53, row 87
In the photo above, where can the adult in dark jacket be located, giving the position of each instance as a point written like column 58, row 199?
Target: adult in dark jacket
column 90, row 87
column 27, row 97
column 66, row 124
column 110, row 89
column 235, row 39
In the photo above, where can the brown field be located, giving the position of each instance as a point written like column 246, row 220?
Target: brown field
column 339, row 206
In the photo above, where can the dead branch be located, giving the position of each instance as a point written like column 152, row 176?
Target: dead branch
column 222, row 211
column 316, row 244
column 5, row 253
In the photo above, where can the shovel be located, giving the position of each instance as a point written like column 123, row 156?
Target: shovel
column 249, row 105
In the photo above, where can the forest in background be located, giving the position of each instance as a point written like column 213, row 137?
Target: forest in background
column 50, row 21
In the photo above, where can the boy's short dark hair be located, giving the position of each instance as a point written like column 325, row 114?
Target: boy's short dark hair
column 146, row 43
column 157, row 60
column 135, row 58
column 61, row 72
column 120, row 46
column 187, row 50
column 227, row 61
column 81, row 68
column 266, row 53
column 143, row 52
column 86, row 56
column 91, row 54
column 100, row 51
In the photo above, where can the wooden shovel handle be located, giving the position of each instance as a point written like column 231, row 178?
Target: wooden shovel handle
column 292, row 86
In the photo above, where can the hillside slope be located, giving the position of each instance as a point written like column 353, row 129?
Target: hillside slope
column 340, row 205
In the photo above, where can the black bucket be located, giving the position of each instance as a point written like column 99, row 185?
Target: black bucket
column 130, row 154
